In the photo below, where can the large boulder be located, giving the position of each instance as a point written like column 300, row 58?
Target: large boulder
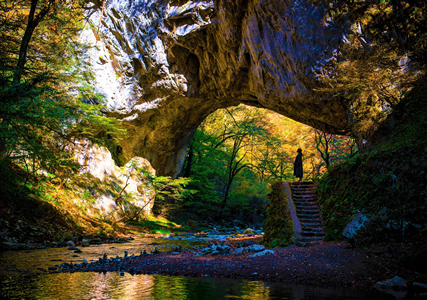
column 98, row 162
column 164, row 66
column 355, row 227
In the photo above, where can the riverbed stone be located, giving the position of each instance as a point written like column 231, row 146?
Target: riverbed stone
column 239, row 251
column 396, row 283
column 255, row 248
column 15, row 246
column 422, row 286
column 262, row 253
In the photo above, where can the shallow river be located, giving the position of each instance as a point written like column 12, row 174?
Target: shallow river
column 16, row 285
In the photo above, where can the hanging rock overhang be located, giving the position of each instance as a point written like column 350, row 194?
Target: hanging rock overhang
column 164, row 66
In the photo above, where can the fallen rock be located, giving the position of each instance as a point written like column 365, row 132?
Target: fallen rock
column 265, row 252
column 255, row 248
column 70, row 243
column 239, row 251
column 355, row 226
column 396, row 283
column 214, row 250
column 418, row 285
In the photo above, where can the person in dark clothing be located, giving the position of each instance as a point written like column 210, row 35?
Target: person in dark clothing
column 298, row 165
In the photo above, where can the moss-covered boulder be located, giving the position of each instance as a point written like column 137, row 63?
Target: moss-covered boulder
column 278, row 227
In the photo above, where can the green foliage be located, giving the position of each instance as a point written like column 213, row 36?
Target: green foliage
column 278, row 227
column 388, row 183
column 158, row 225
column 226, row 181
column 401, row 24
column 383, row 57
column 47, row 101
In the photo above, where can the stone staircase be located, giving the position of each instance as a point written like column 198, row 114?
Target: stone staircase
column 308, row 212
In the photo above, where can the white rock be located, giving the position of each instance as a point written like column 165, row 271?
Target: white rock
column 356, row 224
column 265, row 252
column 255, row 248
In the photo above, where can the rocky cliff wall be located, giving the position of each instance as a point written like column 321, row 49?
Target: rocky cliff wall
column 164, row 66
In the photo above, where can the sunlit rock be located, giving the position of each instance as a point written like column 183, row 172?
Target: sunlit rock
column 98, row 162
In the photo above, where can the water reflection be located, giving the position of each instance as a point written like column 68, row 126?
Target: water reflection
column 114, row 286
column 15, row 285
column 31, row 260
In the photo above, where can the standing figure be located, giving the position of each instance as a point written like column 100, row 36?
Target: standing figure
column 298, row 165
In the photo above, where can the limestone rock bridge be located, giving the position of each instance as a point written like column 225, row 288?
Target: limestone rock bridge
column 164, row 66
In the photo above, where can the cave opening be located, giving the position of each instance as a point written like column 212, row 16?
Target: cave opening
column 237, row 153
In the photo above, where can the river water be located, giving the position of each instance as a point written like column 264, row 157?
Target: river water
column 23, row 276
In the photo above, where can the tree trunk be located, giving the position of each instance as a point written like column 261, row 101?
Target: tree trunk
column 187, row 171
column 33, row 21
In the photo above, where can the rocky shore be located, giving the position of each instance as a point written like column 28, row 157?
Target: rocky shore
column 331, row 264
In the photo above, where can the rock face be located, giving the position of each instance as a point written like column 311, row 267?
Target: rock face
column 164, row 66
column 99, row 163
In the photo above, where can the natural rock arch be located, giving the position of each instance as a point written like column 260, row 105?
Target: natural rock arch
column 164, row 66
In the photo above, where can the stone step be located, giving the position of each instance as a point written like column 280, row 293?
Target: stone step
column 303, row 190
column 304, row 196
column 300, row 191
column 307, row 244
column 311, row 216
column 315, row 229
column 314, row 224
column 308, row 200
column 308, row 211
column 309, row 207
column 306, row 203
column 313, row 233
column 305, row 199
column 299, row 183
column 306, row 231
column 311, row 238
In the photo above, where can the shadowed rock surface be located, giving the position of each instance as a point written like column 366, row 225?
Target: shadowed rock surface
column 164, row 66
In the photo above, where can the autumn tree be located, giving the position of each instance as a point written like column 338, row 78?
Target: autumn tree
column 332, row 149
column 384, row 54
